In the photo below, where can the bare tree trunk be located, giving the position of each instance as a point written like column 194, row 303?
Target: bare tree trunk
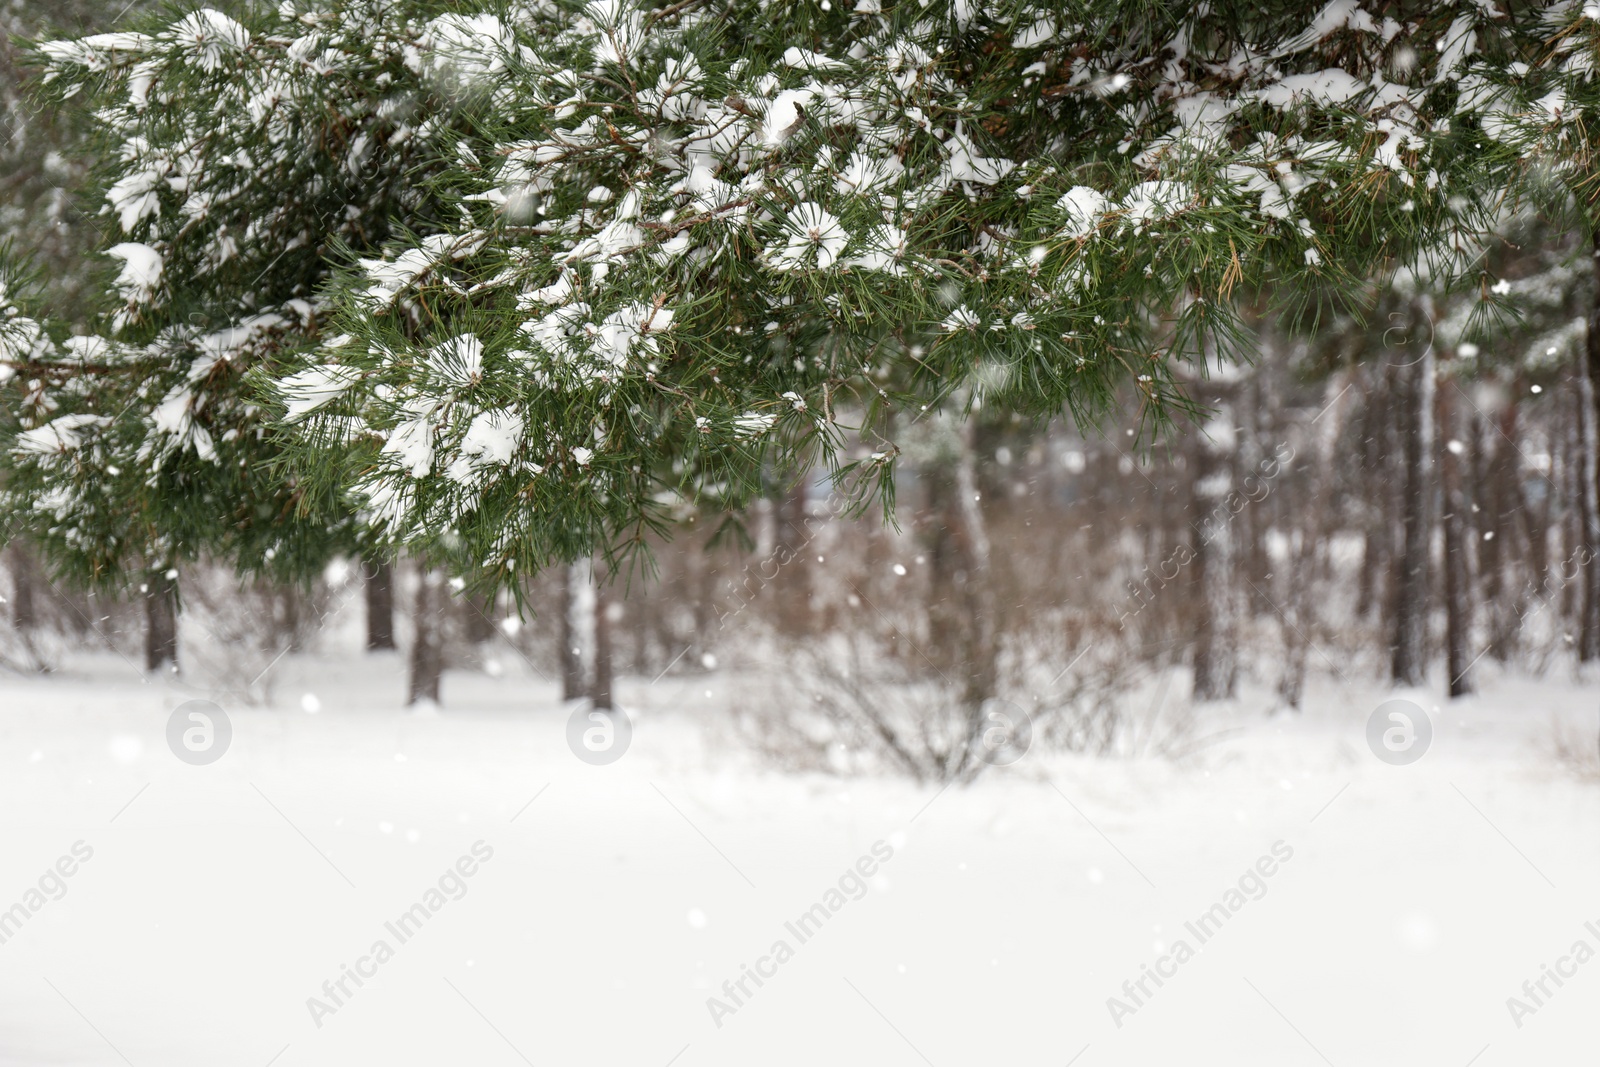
column 427, row 642
column 380, row 605
column 1568, row 517
column 605, row 607
column 792, row 556
column 1312, row 525
column 1537, row 514
column 291, row 631
column 1215, row 557
column 161, row 619
column 982, row 654
column 1589, row 472
column 1503, row 598
column 1377, row 538
column 479, row 614
column 577, row 628
column 1254, row 566
column 962, row 622
column 1457, row 522
column 1410, row 604
column 640, row 620
column 24, row 587
column 701, row 587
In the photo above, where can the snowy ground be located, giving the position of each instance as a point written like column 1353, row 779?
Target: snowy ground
column 617, row 899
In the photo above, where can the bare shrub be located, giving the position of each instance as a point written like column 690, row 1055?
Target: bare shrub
column 865, row 698
column 1576, row 748
column 238, row 630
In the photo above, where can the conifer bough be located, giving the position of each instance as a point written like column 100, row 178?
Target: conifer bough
column 651, row 253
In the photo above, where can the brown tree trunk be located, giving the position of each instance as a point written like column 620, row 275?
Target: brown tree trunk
column 1589, row 471
column 962, row 609
column 1503, row 598
column 792, row 556
column 24, row 588
column 379, row 583
column 291, row 629
column 1457, row 522
column 1377, row 534
column 701, row 586
column 640, row 622
column 1568, row 522
column 574, row 629
column 161, row 619
column 1259, row 516
column 1410, row 602
column 1311, row 525
column 427, row 642
column 605, row 607
column 1215, row 557
column 480, row 617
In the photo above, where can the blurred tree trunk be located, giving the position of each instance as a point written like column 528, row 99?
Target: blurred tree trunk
column 1310, row 527
column 701, row 586
column 379, row 584
column 480, row 617
column 577, row 605
column 791, row 554
column 1568, row 512
column 606, row 608
column 1215, row 563
column 962, row 623
column 641, row 620
column 1257, row 518
column 427, row 642
column 1377, row 534
column 1537, row 515
column 1408, row 642
column 161, row 618
column 24, row 587
column 290, row 617
column 1457, row 522
column 1589, row 467
column 980, row 661
column 1503, row 598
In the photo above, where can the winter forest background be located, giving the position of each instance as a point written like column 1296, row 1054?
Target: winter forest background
column 1031, row 610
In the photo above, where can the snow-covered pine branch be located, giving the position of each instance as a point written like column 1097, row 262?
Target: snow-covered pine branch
column 594, row 261
column 691, row 246
column 235, row 155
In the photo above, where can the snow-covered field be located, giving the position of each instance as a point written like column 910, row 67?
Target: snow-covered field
column 606, row 904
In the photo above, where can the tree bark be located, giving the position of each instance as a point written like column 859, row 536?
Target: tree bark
column 962, row 609
column 290, row 626
column 427, row 642
column 605, row 606
column 1311, row 526
column 1377, row 541
column 1408, row 645
column 161, row 619
column 380, row 605
column 792, row 555
column 480, row 617
column 1215, row 560
column 576, row 628
column 1503, row 599
column 1589, row 471
column 24, row 588
column 1457, row 522
column 641, row 621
